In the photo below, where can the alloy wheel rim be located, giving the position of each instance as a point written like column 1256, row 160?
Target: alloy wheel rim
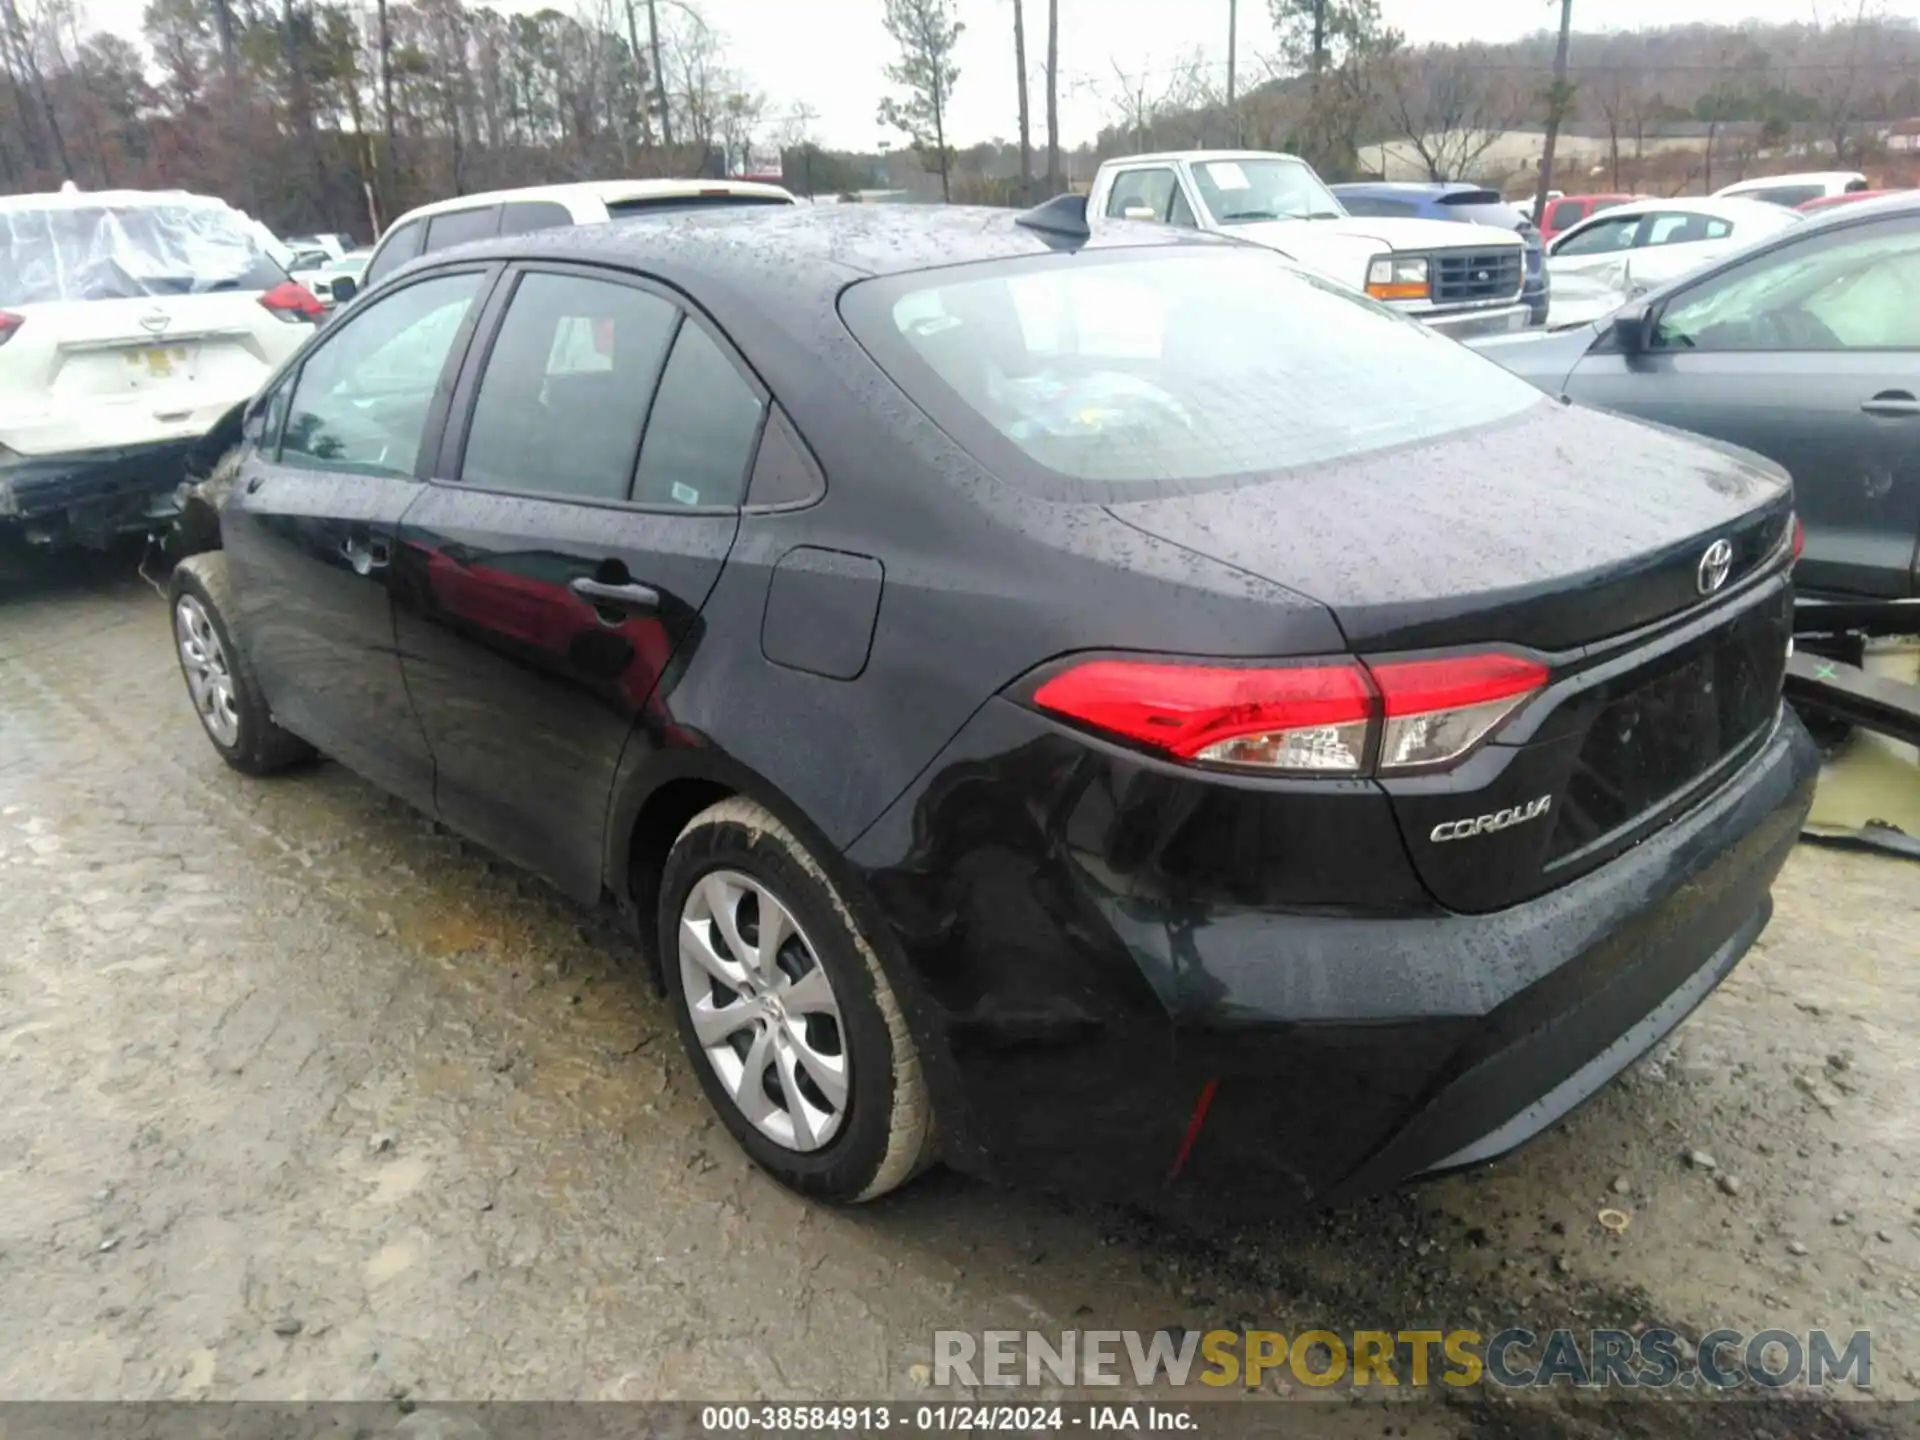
column 209, row 679
column 763, row 1010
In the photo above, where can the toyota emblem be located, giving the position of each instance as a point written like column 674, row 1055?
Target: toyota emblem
column 154, row 321
column 1715, row 565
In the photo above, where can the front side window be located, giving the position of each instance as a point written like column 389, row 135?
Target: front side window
column 1857, row 290
column 1241, row 192
column 362, row 398
column 1181, row 367
column 1603, row 237
column 566, row 388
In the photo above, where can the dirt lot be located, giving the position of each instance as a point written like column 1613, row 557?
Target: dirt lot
column 305, row 1098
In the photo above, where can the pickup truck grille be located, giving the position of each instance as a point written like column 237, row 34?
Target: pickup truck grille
column 1476, row 277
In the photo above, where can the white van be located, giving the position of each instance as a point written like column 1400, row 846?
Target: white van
column 434, row 227
column 1792, row 190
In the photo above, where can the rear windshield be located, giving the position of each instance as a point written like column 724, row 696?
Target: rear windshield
column 88, row 252
column 667, row 204
column 1483, row 207
column 1785, row 194
column 1141, row 368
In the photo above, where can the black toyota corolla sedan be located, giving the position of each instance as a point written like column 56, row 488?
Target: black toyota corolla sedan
column 1115, row 712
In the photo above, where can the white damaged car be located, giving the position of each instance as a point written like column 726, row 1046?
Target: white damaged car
column 130, row 321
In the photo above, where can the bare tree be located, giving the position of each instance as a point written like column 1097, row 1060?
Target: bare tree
column 1614, row 90
column 1839, row 91
column 927, row 34
column 1020, row 76
column 1559, row 103
column 1449, row 106
column 741, row 111
column 1053, row 97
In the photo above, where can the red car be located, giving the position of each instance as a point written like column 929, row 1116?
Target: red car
column 1823, row 202
column 1569, row 210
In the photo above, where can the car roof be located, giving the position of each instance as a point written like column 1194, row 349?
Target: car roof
column 1894, row 202
column 833, row 243
column 104, row 199
column 1168, row 157
column 1409, row 187
column 1799, row 177
column 1721, row 207
column 607, row 192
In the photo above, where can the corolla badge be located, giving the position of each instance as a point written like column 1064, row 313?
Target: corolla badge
column 1715, row 565
column 1487, row 824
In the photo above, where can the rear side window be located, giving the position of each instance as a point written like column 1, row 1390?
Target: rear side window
column 1181, row 367
column 1788, row 195
column 667, row 204
column 402, row 245
column 701, row 437
column 517, row 217
column 99, row 252
column 456, row 227
column 566, row 387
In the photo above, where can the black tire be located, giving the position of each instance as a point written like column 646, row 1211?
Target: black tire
column 886, row 1131
column 259, row 746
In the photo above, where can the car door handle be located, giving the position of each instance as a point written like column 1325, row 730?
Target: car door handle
column 365, row 557
column 632, row 598
column 1892, row 402
column 255, row 482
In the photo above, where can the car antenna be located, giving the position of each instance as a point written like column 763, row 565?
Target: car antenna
column 1064, row 217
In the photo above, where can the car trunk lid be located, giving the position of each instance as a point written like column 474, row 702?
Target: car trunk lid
column 1571, row 535
column 1552, row 530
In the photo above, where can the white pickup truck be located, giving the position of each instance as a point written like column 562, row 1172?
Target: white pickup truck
column 1464, row 280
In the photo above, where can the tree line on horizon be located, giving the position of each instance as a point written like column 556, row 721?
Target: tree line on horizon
column 340, row 114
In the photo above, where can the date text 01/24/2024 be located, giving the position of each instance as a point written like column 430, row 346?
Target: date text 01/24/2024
column 936, row 1418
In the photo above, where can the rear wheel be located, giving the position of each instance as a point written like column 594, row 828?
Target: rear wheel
column 220, row 682
column 794, row 1032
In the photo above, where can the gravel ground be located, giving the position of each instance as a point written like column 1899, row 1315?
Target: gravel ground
column 307, row 1099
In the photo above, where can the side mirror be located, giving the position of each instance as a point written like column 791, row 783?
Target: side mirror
column 345, row 288
column 1633, row 329
column 1138, row 212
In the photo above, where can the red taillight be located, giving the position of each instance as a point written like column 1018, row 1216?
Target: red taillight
column 1799, row 537
column 1299, row 719
column 292, row 301
column 9, row 323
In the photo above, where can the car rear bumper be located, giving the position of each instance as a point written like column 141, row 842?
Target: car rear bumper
column 1075, row 1003
column 91, row 494
column 1471, row 324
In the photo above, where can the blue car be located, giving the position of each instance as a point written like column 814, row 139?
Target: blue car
column 1454, row 200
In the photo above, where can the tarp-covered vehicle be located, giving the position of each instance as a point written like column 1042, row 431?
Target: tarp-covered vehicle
column 130, row 321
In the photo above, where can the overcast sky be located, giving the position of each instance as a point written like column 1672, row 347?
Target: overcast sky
column 830, row 54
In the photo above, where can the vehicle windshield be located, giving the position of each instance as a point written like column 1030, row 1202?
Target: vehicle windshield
column 1249, row 189
column 125, row 252
column 1181, row 365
